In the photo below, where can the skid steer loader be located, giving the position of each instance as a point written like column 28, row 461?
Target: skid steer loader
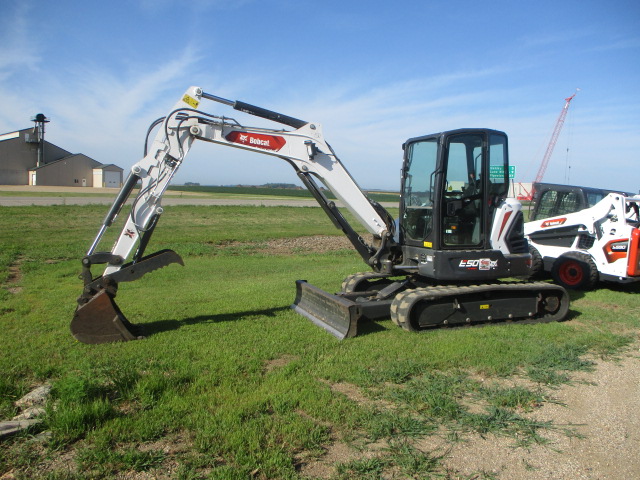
column 584, row 235
column 456, row 237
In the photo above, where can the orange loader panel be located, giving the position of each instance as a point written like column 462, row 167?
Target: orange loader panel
column 633, row 267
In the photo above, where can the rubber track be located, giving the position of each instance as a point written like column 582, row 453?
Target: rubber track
column 404, row 301
column 351, row 282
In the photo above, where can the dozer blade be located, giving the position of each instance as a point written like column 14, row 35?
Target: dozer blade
column 101, row 321
column 339, row 316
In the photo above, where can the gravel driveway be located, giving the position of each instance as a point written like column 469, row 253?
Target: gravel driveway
column 602, row 407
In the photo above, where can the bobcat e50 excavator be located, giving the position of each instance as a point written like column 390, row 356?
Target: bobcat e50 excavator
column 458, row 234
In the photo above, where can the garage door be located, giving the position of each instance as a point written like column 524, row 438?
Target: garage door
column 112, row 179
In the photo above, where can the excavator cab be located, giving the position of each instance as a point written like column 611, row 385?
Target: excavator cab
column 449, row 174
column 453, row 186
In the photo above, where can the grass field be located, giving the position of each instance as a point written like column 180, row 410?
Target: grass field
column 378, row 196
column 230, row 383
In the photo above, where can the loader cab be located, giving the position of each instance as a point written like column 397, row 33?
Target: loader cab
column 451, row 184
column 551, row 200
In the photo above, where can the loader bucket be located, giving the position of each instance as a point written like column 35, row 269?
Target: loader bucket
column 339, row 316
column 101, row 321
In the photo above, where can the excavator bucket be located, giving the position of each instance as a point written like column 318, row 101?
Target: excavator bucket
column 339, row 316
column 101, row 321
column 97, row 318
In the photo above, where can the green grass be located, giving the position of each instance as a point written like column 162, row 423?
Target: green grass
column 271, row 192
column 230, row 383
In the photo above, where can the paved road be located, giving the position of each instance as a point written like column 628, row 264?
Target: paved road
column 167, row 200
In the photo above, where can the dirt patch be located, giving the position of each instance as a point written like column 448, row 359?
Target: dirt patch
column 62, row 461
column 352, row 392
column 172, row 447
column 15, row 276
column 288, row 246
column 337, row 453
column 279, row 362
column 324, row 467
column 594, row 434
column 316, row 244
column 355, row 394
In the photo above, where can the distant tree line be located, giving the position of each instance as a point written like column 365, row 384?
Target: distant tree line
column 266, row 185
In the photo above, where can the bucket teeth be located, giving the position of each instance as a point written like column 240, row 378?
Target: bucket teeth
column 101, row 321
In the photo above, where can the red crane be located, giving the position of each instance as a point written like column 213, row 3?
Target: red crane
column 554, row 139
column 550, row 147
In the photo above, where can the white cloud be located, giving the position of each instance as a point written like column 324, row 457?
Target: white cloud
column 618, row 44
column 19, row 49
column 105, row 115
column 548, row 39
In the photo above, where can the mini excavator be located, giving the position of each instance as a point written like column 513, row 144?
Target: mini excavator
column 452, row 257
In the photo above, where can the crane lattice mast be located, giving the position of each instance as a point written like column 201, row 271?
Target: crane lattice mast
column 554, row 138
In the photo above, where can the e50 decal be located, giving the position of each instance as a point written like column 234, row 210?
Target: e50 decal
column 479, row 264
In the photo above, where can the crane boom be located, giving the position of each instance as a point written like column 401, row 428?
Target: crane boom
column 554, row 139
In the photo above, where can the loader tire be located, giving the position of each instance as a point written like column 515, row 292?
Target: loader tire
column 575, row 271
column 537, row 266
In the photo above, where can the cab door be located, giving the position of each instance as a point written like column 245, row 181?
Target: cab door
column 462, row 199
column 420, row 191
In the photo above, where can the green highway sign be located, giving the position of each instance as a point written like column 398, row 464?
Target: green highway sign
column 497, row 171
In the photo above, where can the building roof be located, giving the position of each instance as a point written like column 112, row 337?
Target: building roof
column 68, row 157
column 9, row 136
column 102, row 167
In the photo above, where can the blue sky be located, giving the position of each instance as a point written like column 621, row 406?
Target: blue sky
column 373, row 73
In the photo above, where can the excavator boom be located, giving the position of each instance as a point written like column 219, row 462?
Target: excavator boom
column 97, row 318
